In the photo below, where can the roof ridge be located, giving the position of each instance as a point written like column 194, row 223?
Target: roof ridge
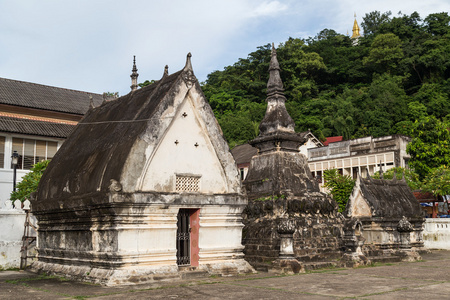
column 51, row 86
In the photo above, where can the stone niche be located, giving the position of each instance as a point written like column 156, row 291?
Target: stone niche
column 144, row 189
column 389, row 216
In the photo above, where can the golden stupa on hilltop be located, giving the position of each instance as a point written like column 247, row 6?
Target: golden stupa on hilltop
column 355, row 30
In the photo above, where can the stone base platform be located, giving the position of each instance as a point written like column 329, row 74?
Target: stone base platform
column 141, row 274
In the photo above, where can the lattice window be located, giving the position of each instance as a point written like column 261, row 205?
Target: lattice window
column 32, row 151
column 187, row 183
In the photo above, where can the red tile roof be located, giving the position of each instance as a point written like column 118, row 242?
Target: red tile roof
column 332, row 139
column 424, row 196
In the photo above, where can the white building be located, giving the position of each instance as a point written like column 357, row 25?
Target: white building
column 360, row 156
column 34, row 121
column 145, row 188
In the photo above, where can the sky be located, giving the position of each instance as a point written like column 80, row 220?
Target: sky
column 88, row 45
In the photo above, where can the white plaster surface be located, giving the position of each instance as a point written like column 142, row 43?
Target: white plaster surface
column 6, row 182
column 436, row 234
column 177, row 154
column 12, row 225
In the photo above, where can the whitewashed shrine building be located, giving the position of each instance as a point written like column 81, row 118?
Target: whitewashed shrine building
column 145, row 188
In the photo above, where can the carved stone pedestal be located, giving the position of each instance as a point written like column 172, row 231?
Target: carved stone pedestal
column 286, row 262
column 405, row 228
column 353, row 241
column 286, row 229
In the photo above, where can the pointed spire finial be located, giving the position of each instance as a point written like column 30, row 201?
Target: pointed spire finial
column 356, row 31
column 275, row 85
column 91, row 102
column 188, row 65
column 188, row 72
column 134, row 75
column 277, row 119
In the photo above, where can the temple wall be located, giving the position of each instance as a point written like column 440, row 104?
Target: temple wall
column 140, row 236
column 12, row 224
column 12, row 221
column 317, row 235
column 383, row 236
column 436, row 234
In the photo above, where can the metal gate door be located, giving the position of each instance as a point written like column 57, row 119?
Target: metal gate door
column 183, row 240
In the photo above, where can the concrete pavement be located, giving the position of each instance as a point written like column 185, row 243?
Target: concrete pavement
column 429, row 278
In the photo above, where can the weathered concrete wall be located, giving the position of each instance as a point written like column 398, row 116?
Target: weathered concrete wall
column 133, row 237
column 317, row 229
column 436, row 234
column 12, row 220
column 383, row 236
column 6, row 178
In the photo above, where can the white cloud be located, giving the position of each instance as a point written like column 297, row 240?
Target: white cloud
column 89, row 45
column 268, row 8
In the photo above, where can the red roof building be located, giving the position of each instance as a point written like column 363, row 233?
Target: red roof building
column 332, row 139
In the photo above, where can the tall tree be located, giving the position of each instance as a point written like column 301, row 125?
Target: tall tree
column 430, row 146
column 373, row 21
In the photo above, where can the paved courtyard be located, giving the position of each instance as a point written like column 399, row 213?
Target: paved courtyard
column 426, row 279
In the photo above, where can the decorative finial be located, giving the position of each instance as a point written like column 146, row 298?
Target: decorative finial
column 381, row 171
column 356, row 31
column 275, row 85
column 91, row 102
column 166, row 71
column 134, row 75
column 277, row 119
column 188, row 65
column 188, row 73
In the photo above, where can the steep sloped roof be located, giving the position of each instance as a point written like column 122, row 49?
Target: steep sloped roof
column 34, row 127
column 114, row 141
column 243, row 153
column 101, row 142
column 385, row 198
column 32, row 95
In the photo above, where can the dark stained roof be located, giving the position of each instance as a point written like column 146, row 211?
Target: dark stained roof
column 243, row 153
column 97, row 151
column 389, row 198
column 33, row 127
column 32, row 95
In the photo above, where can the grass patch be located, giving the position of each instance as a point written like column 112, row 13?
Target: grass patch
column 326, row 270
column 375, row 264
column 40, row 277
column 9, row 269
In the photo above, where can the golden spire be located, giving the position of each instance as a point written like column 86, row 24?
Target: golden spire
column 355, row 30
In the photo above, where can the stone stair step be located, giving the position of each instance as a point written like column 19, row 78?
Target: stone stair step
column 385, row 259
column 188, row 274
column 309, row 266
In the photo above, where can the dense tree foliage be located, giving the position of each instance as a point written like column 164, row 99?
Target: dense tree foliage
column 340, row 186
column 397, row 73
column 412, row 178
column 29, row 182
column 430, row 146
column 438, row 181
